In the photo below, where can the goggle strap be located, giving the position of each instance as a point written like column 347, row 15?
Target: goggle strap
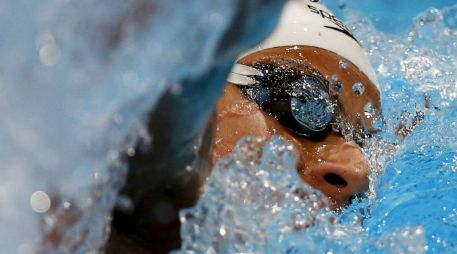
column 246, row 70
column 243, row 75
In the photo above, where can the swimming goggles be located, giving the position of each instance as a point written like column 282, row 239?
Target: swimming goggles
column 300, row 102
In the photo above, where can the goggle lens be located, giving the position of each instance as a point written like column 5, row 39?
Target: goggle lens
column 302, row 106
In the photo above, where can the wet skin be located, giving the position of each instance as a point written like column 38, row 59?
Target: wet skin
column 334, row 165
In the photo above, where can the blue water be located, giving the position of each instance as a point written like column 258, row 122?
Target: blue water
column 418, row 183
column 415, row 55
column 387, row 15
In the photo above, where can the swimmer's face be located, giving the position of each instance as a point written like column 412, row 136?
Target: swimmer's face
column 331, row 163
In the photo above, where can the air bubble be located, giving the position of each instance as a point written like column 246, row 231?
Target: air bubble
column 358, row 88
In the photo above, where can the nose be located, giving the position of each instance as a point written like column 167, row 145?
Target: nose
column 340, row 182
column 342, row 174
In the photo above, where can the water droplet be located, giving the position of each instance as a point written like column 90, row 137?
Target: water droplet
column 358, row 88
column 40, row 202
column 131, row 151
column 48, row 50
column 66, row 205
column 222, row 230
column 368, row 110
column 49, row 54
column 382, row 69
column 343, row 63
column 337, row 86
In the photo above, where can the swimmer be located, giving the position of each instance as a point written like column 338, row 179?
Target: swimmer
column 317, row 92
column 308, row 82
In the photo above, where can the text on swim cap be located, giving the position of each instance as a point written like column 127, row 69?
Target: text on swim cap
column 325, row 15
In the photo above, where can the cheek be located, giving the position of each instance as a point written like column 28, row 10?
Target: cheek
column 230, row 128
column 308, row 156
column 306, row 151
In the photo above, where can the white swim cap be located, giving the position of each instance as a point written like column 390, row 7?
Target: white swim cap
column 307, row 23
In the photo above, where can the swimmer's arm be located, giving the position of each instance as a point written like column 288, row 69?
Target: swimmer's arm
column 403, row 129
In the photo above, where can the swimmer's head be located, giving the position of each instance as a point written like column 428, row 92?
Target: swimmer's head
column 311, row 83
